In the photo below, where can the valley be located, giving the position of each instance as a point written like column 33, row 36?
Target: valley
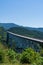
column 10, row 56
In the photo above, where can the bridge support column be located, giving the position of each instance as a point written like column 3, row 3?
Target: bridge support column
column 7, row 39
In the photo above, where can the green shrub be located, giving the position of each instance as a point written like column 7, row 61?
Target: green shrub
column 18, row 55
column 41, row 52
column 1, row 56
column 27, row 56
column 41, row 60
column 30, row 56
column 11, row 55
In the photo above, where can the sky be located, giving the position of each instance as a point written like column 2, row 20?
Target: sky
column 22, row 12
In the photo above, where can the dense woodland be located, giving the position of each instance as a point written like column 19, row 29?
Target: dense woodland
column 25, row 32
column 28, row 56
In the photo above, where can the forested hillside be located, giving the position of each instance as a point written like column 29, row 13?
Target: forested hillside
column 37, row 29
column 25, row 32
column 2, row 33
column 8, row 25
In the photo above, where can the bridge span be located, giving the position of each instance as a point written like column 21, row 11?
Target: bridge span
column 23, row 41
column 29, row 38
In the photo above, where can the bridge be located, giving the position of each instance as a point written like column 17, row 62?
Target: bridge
column 21, row 42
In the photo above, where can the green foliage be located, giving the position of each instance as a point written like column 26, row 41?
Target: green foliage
column 30, row 56
column 1, row 56
column 11, row 55
column 41, row 52
column 27, row 56
column 7, row 55
column 2, row 33
column 18, row 56
column 25, row 32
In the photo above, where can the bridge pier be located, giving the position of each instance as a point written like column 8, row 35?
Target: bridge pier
column 7, row 39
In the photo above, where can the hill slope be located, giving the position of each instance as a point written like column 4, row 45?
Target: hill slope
column 25, row 32
column 8, row 25
column 37, row 29
column 2, row 33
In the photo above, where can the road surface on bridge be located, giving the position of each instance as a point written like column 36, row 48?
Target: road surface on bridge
column 29, row 38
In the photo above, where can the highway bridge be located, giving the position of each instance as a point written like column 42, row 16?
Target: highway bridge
column 23, row 41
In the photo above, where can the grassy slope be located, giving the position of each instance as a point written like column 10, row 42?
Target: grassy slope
column 13, row 64
column 4, row 48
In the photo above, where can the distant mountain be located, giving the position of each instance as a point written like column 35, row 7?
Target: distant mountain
column 37, row 29
column 8, row 25
column 40, row 29
column 30, row 33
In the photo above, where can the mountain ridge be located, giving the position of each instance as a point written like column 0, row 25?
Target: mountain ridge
column 37, row 29
column 10, row 25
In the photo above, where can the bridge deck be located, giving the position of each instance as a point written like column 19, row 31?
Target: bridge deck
column 29, row 38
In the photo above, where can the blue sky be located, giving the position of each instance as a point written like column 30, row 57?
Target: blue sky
column 22, row 12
